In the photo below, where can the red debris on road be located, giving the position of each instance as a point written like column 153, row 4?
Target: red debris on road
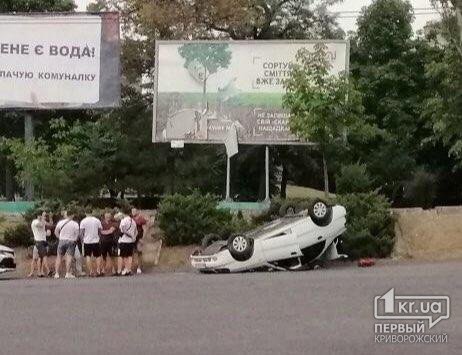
column 366, row 262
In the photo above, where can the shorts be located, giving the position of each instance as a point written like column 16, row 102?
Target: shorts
column 42, row 249
column 66, row 247
column 108, row 248
column 91, row 249
column 126, row 249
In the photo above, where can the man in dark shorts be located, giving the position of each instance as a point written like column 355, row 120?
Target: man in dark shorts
column 39, row 256
column 138, row 251
column 108, row 242
column 90, row 229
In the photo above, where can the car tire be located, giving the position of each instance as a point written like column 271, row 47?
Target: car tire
column 320, row 213
column 240, row 247
column 209, row 239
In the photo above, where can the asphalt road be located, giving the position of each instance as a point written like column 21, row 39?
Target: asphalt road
column 312, row 312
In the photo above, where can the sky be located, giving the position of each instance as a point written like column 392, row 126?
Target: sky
column 423, row 9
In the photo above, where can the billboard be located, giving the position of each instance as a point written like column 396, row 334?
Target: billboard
column 59, row 61
column 202, row 88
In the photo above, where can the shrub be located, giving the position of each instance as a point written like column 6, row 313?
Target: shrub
column 18, row 236
column 53, row 206
column 353, row 178
column 56, row 206
column 421, row 190
column 370, row 226
column 186, row 219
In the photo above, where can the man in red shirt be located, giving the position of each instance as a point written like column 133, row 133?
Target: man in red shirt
column 140, row 222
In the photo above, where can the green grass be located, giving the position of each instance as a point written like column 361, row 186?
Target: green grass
column 305, row 192
column 264, row 100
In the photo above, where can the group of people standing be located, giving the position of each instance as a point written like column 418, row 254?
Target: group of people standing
column 99, row 241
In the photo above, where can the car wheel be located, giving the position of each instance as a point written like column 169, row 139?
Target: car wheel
column 209, row 239
column 320, row 213
column 240, row 247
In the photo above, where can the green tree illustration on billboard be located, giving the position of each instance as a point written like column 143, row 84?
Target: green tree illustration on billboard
column 203, row 60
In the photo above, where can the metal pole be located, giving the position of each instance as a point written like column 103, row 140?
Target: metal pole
column 267, row 179
column 228, row 178
column 28, row 138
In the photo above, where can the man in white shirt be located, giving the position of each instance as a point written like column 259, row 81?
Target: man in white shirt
column 126, row 243
column 40, row 252
column 90, row 229
column 67, row 231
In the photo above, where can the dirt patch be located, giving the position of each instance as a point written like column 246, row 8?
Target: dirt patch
column 175, row 259
column 428, row 234
column 169, row 259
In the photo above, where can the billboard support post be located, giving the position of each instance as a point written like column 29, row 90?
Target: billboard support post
column 28, row 138
column 228, row 178
column 267, row 175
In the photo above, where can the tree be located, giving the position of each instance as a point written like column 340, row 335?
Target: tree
column 388, row 65
column 323, row 107
column 37, row 5
column 204, row 59
column 239, row 19
column 442, row 108
column 451, row 13
column 12, row 123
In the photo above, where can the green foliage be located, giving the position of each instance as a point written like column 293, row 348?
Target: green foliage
column 442, row 109
column 36, row 5
column 353, row 178
column 211, row 56
column 186, row 219
column 323, row 106
column 384, row 29
column 421, row 190
column 370, row 226
column 18, row 236
column 77, row 162
column 53, row 206
column 388, row 65
column 239, row 19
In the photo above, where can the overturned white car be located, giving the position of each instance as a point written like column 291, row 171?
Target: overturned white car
column 7, row 261
column 289, row 243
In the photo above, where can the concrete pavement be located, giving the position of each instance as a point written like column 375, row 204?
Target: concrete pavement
column 314, row 312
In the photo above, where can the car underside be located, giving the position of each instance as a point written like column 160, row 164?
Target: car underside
column 294, row 242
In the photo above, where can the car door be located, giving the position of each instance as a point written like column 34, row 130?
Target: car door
column 281, row 245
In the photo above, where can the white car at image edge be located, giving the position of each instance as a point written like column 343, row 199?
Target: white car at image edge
column 7, row 260
column 289, row 243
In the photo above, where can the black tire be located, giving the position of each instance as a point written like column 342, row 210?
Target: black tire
column 320, row 213
column 209, row 239
column 240, row 247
